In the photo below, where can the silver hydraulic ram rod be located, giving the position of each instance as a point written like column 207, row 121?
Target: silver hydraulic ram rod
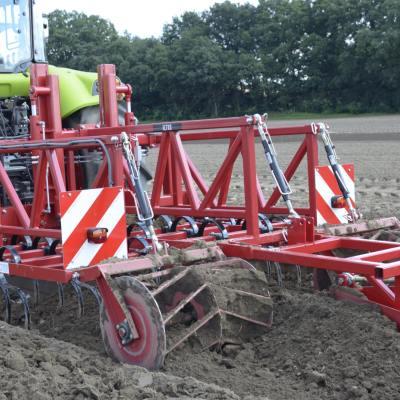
column 146, row 213
column 280, row 180
column 322, row 131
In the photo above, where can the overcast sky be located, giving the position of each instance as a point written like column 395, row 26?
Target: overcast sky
column 143, row 18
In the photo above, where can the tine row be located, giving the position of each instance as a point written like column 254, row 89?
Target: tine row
column 78, row 286
column 6, row 287
column 279, row 273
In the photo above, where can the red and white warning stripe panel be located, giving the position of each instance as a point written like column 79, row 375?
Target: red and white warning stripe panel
column 327, row 187
column 82, row 210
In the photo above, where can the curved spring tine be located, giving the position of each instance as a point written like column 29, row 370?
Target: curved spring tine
column 278, row 273
column 25, row 303
column 35, row 293
column 298, row 270
column 60, row 293
column 3, row 287
column 94, row 290
column 268, row 271
column 80, row 298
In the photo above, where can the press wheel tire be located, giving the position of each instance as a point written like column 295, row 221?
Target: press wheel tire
column 148, row 350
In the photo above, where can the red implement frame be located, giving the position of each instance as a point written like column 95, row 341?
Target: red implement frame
column 301, row 245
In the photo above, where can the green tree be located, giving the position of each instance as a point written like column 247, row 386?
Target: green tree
column 77, row 40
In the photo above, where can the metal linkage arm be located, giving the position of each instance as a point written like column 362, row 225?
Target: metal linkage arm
column 280, row 180
column 322, row 131
column 146, row 213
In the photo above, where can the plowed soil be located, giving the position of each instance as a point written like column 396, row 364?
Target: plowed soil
column 317, row 348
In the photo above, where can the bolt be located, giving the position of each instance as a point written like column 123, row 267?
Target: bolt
column 31, row 90
column 126, row 321
column 4, row 240
column 69, row 194
column 82, row 126
column 123, row 342
column 97, row 126
column 120, row 190
column 153, row 145
column 340, row 281
column 131, row 336
column 4, row 211
column 349, row 170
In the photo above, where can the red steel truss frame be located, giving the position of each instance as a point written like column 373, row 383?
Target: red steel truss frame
column 302, row 244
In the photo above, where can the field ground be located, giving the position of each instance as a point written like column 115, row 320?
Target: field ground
column 317, row 349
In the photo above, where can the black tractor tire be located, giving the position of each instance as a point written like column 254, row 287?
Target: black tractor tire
column 91, row 115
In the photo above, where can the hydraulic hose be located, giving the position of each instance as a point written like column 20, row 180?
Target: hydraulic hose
column 62, row 145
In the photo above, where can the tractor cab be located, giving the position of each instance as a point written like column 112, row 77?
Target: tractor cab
column 23, row 35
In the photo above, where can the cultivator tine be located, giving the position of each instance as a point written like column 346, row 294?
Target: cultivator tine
column 35, row 293
column 78, row 286
column 60, row 293
column 4, row 289
column 92, row 289
column 78, row 292
column 24, row 300
column 278, row 273
column 268, row 271
column 298, row 270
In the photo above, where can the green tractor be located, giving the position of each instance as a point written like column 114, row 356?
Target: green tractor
column 23, row 36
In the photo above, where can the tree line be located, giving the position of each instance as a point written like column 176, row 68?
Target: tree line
column 282, row 55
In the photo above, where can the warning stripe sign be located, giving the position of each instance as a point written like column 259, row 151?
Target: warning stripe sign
column 327, row 187
column 94, row 208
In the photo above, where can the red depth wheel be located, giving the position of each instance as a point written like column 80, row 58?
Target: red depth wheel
column 149, row 350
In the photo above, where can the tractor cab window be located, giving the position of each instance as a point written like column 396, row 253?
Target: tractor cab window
column 39, row 37
column 15, row 43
